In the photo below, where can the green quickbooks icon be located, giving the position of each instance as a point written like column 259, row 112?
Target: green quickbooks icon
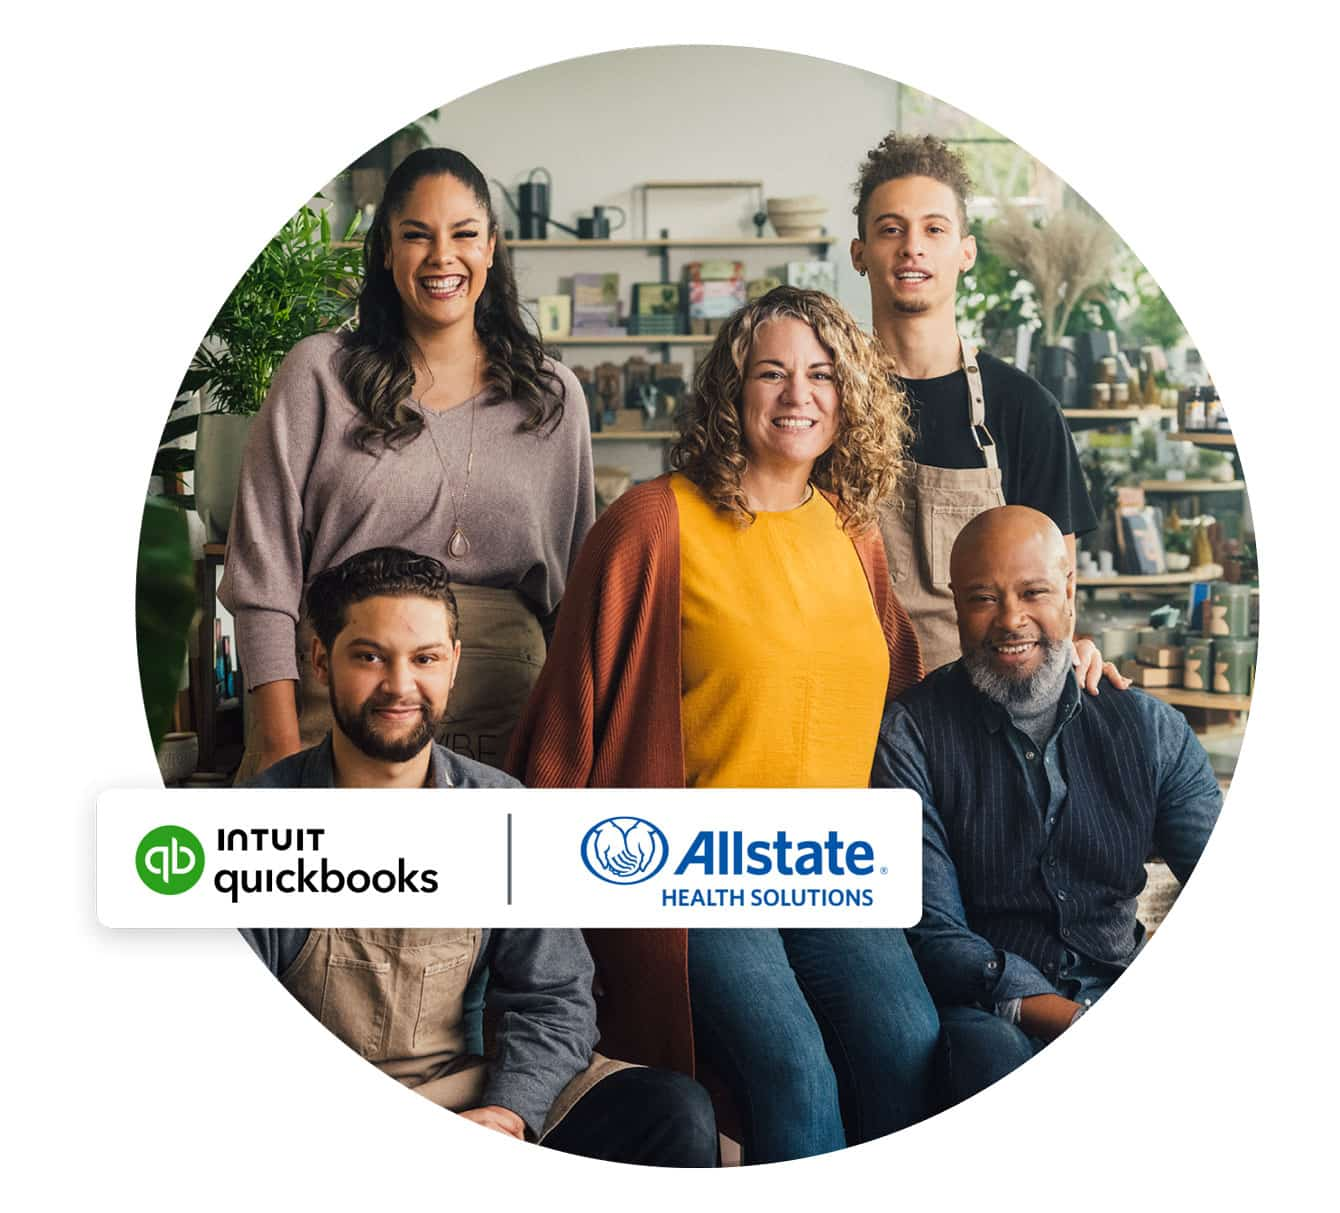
column 170, row 859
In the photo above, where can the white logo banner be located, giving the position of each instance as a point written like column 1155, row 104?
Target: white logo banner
column 509, row 857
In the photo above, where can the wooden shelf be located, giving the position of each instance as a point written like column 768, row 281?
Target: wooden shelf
column 633, row 436
column 1134, row 413
column 1182, row 698
column 701, row 185
column 570, row 246
column 1193, row 486
column 1206, row 572
column 1204, row 438
column 643, row 340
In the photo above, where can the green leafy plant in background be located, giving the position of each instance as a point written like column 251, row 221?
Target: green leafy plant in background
column 993, row 299
column 303, row 282
column 1154, row 321
column 164, row 608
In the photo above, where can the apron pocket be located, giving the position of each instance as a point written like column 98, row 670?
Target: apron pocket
column 438, row 1026
column 897, row 527
column 946, row 523
column 355, row 1000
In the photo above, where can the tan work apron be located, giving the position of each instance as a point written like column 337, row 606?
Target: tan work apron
column 396, row 997
column 502, row 652
column 920, row 523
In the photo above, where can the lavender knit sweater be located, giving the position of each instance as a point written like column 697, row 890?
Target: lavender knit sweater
column 308, row 499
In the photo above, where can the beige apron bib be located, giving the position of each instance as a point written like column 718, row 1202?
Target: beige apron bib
column 919, row 526
column 396, row 996
column 502, row 651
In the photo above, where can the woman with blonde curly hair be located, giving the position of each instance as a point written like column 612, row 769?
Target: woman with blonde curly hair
column 733, row 624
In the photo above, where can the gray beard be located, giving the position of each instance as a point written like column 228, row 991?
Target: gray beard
column 1035, row 693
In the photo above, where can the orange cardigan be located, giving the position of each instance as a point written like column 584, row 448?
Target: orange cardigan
column 605, row 713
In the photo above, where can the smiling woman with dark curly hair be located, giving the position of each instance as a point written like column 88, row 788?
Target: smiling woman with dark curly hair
column 733, row 624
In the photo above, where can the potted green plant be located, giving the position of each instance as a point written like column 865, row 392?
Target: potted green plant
column 303, row 282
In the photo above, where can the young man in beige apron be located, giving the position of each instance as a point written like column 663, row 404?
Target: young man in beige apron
column 385, row 650
column 985, row 433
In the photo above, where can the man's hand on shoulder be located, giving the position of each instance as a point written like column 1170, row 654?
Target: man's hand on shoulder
column 1090, row 668
column 501, row 1120
column 1046, row 1016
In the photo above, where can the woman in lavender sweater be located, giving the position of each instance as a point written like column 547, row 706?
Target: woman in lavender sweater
column 438, row 425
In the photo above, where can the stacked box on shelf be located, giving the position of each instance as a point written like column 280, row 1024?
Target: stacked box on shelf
column 716, row 291
column 595, row 305
column 812, row 275
column 657, row 310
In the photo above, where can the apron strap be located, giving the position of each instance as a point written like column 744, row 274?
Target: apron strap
column 977, row 408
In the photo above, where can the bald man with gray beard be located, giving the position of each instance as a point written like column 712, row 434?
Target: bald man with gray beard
column 1040, row 806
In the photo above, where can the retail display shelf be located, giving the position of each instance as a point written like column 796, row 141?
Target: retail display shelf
column 743, row 242
column 1204, row 572
column 643, row 339
column 1192, row 486
column 634, row 436
column 1179, row 697
column 1204, row 438
column 1133, row 413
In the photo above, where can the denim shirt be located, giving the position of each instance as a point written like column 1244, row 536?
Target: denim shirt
column 959, row 963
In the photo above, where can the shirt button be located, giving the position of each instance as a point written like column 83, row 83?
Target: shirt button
column 1065, row 932
column 992, row 965
column 1051, row 861
column 1060, row 894
column 1030, row 755
column 1051, row 821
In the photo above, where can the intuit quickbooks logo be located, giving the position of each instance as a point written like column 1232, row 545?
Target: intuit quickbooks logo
column 170, row 859
column 624, row 850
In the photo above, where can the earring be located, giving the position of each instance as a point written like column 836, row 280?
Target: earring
column 861, row 272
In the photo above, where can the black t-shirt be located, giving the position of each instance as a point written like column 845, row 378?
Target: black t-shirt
column 1039, row 466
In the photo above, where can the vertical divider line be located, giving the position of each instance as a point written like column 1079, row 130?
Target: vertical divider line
column 509, row 859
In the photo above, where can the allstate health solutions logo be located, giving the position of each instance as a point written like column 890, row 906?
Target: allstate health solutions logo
column 624, row 850
column 170, row 859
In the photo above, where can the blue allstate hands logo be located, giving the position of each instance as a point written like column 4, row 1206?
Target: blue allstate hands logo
column 624, row 850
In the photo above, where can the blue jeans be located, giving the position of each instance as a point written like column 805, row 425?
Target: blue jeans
column 978, row 1048
column 824, row 1037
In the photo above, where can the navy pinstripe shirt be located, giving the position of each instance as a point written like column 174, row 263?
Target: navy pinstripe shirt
column 1032, row 853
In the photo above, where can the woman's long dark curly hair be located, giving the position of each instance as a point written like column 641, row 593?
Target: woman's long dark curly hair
column 377, row 368
column 862, row 466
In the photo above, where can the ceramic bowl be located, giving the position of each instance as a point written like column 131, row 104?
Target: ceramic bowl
column 177, row 756
column 798, row 218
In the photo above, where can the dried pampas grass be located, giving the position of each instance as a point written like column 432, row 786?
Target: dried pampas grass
column 1068, row 260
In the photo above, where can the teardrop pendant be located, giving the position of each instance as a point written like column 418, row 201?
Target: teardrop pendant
column 458, row 545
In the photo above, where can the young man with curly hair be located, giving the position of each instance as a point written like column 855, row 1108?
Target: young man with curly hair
column 985, row 433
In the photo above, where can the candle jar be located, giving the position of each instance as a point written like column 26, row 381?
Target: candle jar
column 1234, row 666
column 1196, row 672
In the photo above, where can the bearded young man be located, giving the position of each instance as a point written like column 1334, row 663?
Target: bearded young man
column 984, row 433
column 1040, row 806
column 408, row 999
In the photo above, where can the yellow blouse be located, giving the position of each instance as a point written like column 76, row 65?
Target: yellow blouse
column 784, row 663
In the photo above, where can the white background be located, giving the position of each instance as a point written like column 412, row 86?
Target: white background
column 149, row 153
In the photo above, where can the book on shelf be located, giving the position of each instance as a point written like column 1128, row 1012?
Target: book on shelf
column 812, row 275
column 595, row 304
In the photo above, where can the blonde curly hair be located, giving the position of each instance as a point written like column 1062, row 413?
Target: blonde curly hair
column 862, row 466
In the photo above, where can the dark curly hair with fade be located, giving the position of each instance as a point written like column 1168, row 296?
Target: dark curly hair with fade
column 860, row 469
column 376, row 573
column 911, row 156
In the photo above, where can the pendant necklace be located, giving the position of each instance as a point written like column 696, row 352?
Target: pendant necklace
column 458, row 546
